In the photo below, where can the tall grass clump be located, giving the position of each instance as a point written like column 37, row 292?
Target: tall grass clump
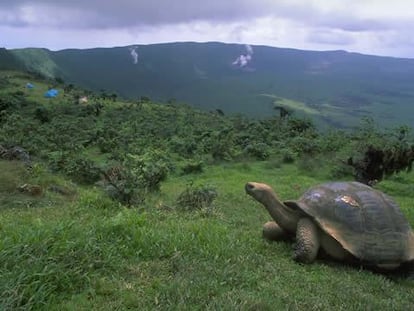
column 40, row 260
column 12, row 175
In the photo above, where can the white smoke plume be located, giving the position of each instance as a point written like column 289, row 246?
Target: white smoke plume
column 134, row 54
column 249, row 49
column 244, row 59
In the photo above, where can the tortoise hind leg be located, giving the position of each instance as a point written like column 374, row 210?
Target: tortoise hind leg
column 307, row 241
column 273, row 232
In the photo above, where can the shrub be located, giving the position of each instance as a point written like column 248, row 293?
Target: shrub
column 151, row 168
column 288, row 156
column 137, row 175
column 303, row 145
column 106, row 145
column 341, row 170
column 184, row 147
column 196, row 197
column 297, row 125
column 260, row 151
column 82, row 170
column 220, row 144
column 308, row 165
column 377, row 154
column 77, row 167
column 192, row 167
column 122, row 185
column 42, row 114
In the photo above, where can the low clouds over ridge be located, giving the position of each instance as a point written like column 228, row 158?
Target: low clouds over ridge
column 314, row 24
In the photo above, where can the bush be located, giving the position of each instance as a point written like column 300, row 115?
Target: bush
column 378, row 154
column 77, row 167
column 220, row 144
column 184, row 147
column 137, row 175
column 288, row 156
column 192, row 167
column 42, row 114
column 151, row 168
column 106, row 145
column 304, row 145
column 298, row 126
column 196, row 197
column 82, row 170
column 122, row 185
column 341, row 170
column 308, row 165
column 259, row 151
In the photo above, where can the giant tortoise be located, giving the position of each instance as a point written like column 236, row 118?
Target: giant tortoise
column 348, row 220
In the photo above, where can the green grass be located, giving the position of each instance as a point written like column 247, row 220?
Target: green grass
column 82, row 251
column 324, row 114
column 294, row 105
column 18, row 83
column 92, row 254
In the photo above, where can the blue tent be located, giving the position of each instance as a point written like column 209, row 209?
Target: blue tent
column 51, row 93
column 29, row 85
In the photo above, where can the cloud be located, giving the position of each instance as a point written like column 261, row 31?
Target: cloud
column 104, row 14
column 130, row 13
column 330, row 37
column 126, row 13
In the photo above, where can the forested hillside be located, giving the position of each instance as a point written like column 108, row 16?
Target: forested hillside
column 333, row 88
column 80, row 132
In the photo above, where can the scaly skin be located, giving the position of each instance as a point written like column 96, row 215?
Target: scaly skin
column 307, row 241
column 273, row 232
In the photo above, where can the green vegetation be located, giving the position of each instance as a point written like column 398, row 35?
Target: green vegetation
column 339, row 88
column 116, row 205
column 291, row 105
column 37, row 60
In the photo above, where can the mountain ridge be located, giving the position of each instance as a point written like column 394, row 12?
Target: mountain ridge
column 341, row 87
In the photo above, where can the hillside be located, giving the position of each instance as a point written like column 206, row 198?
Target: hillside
column 336, row 87
column 107, row 204
column 8, row 61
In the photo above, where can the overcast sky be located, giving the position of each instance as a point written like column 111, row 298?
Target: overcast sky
column 378, row 27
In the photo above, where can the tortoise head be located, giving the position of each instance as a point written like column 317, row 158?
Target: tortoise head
column 259, row 191
column 283, row 215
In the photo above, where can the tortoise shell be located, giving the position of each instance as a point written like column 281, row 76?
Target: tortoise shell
column 366, row 222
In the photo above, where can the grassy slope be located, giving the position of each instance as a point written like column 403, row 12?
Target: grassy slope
column 91, row 254
column 86, row 252
column 37, row 60
column 8, row 61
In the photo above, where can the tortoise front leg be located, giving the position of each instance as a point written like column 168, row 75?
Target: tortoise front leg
column 307, row 241
column 273, row 232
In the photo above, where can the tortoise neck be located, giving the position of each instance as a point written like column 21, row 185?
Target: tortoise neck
column 285, row 217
